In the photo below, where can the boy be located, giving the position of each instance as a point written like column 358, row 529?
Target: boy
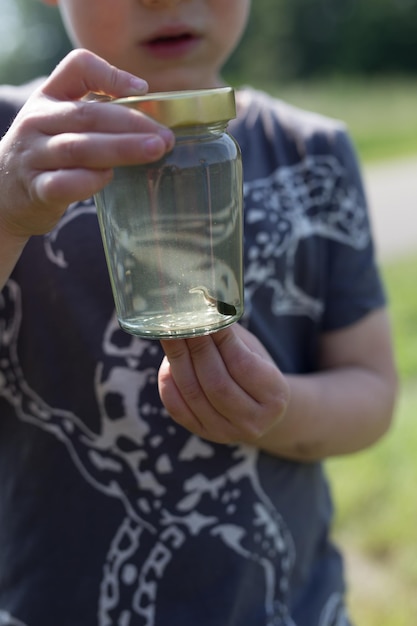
column 142, row 489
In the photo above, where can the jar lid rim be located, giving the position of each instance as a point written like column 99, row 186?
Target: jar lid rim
column 185, row 108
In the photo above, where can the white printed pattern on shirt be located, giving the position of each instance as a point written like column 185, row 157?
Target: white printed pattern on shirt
column 133, row 568
column 294, row 203
column 7, row 620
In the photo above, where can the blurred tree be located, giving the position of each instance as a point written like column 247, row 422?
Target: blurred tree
column 355, row 36
column 289, row 39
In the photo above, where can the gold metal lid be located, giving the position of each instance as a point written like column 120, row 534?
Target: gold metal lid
column 186, row 108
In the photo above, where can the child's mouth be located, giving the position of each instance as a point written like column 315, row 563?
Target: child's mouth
column 177, row 39
column 171, row 45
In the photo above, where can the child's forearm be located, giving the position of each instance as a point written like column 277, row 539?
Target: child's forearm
column 348, row 404
column 333, row 413
column 10, row 250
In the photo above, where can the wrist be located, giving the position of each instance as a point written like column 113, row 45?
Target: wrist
column 11, row 247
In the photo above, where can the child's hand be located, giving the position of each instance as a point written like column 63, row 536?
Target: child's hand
column 223, row 387
column 61, row 149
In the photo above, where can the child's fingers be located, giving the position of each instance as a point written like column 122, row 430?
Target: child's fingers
column 235, row 377
column 95, row 151
column 209, row 392
column 61, row 187
column 225, row 375
column 250, row 366
column 182, row 371
column 82, row 72
column 185, row 400
column 54, row 117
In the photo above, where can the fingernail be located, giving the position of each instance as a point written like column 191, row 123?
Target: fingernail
column 153, row 145
column 168, row 137
column 138, row 85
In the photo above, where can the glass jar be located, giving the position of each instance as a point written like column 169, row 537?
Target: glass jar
column 172, row 230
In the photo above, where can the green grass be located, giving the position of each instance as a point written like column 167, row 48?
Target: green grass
column 375, row 491
column 376, row 503
column 400, row 280
column 381, row 114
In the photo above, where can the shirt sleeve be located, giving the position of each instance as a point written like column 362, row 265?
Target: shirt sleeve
column 354, row 286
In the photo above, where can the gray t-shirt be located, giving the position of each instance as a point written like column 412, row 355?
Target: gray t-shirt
column 110, row 513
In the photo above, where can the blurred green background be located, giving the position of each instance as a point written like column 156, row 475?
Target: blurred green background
column 355, row 60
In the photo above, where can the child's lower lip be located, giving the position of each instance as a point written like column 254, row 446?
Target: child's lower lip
column 169, row 48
